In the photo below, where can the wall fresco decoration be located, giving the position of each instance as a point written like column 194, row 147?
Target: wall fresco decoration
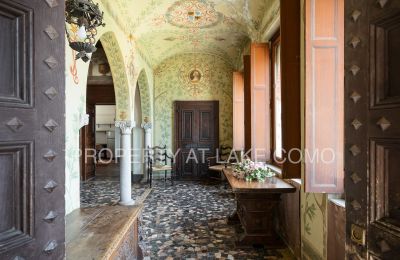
column 195, row 75
column 175, row 80
column 144, row 95
column 120, row 78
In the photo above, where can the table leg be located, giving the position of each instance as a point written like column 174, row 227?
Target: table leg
column 257, row 214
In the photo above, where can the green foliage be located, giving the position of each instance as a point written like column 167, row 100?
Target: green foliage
column 251, row 171
column 310, row 211
column 308, row 215
column 307, row 228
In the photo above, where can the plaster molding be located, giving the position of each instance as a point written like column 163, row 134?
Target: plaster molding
column 125, row 126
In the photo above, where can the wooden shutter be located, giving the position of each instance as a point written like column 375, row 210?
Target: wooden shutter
column 324, row 118
column 291, row 87
column 247, row 101
column 260, row 98
column 238, row 111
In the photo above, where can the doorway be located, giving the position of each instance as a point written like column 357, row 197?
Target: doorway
column 105, row 139
column 99, row 134
column 196, row 136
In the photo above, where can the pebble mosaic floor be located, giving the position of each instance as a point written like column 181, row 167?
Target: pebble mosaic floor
column 188, row 221
column 105, row 192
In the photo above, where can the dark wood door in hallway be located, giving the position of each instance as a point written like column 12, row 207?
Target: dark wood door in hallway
column 196, row 136
column 372, row 109
column 32, row 129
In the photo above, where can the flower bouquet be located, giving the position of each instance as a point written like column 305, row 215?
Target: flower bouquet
column 252, row 171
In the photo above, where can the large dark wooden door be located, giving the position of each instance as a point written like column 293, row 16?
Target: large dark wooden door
column 32, row 136
column 196, row 136
column 372, row 159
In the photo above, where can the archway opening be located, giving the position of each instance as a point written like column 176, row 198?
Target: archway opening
column 99, row 138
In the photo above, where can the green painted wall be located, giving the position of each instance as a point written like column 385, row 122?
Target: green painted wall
column 172, row 82
column 126, row 63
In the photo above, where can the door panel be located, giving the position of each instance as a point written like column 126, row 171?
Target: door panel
column 385, row 199
column 187, row 124
column 372, row 131
column 16, row 49
column 187, row 167
column 196, row 131
column 205, row 125
column 385, row 78
column 16, row 226
column 32, row 136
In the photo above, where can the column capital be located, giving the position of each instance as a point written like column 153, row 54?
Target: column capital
column 147, row 126
column 125, row 126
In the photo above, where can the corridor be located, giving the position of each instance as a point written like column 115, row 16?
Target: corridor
column 121, row 120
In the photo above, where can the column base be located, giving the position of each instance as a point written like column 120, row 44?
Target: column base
column 126, row 203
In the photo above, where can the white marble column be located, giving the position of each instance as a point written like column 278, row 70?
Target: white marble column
column 125, row 165
column 147, row 134
column 147, row 143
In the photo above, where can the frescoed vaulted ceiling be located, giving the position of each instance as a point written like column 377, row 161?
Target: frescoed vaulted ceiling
column 164, row 28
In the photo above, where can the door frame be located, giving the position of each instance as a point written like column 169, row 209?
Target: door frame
column 176, row 123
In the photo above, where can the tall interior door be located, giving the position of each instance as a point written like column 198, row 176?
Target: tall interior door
column 372, row 108
column 196, row 136
column 32, row 136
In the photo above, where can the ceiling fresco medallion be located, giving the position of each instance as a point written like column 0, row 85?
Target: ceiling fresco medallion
column 193, row 14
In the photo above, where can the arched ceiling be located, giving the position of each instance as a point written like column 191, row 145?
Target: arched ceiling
column 164, row 28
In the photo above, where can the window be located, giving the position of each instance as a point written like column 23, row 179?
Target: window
column 276, row 100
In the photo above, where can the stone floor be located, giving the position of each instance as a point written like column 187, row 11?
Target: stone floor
column 184, row 221
column 104, row 190
column 188, row 221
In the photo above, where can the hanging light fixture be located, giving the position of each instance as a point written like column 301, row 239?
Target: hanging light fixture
column 84, row 17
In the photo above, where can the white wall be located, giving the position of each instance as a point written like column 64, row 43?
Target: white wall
column 105, row 114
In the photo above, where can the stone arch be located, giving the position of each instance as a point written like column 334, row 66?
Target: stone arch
column 120, row 77
column 144, row 89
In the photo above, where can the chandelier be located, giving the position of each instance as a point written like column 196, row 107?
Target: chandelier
column 83, row 17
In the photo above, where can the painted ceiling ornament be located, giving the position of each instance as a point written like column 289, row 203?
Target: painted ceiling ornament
column 193, row 14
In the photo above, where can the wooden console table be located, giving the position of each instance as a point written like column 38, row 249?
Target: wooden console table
column 257, row 205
